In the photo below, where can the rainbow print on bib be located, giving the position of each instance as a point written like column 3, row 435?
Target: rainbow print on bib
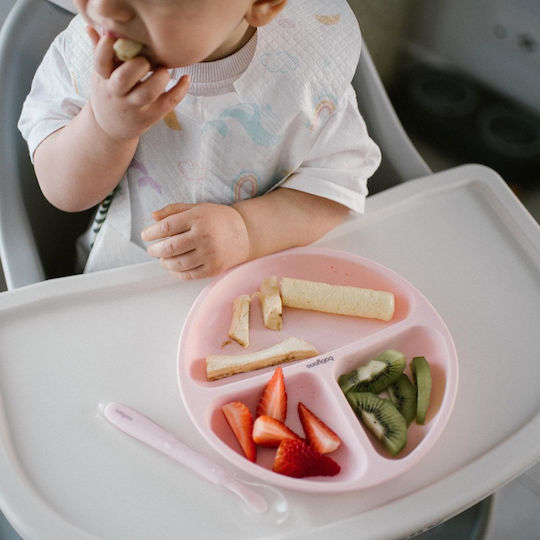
column 325, row 108
column 245, row 186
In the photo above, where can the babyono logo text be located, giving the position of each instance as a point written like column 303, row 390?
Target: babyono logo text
column 320, row 361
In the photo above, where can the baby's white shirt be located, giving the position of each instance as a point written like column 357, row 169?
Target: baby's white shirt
column 279, row 112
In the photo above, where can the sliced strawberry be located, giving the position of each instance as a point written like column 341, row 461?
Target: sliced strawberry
column 268, row 431
column 298, row 459
column 241, row 422
column 273, row 401
column 318, row 434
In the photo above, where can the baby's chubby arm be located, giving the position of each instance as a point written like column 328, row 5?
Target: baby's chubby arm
column 201, row 240
column 78, row 165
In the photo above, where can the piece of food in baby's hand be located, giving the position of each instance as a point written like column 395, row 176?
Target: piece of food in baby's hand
column 219, row 366
column 239, row 328
column 271, row 305
column 340, row 299
column 126, row 49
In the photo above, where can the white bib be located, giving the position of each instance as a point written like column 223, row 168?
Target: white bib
column 236, row 145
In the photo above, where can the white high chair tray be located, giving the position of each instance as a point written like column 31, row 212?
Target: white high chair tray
column 460, row 237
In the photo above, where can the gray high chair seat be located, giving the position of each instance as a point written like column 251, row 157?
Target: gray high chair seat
column 36, row 240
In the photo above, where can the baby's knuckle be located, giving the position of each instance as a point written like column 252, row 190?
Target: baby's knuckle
column 165, row 227
column 179, row 265
column 140, row 98
column 142, row 63
column 118, row 81
column 171, row 100
column 170, row 249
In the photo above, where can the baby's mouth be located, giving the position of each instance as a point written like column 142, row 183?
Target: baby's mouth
column 126, row 48
column 110, row 33
column 102, row 31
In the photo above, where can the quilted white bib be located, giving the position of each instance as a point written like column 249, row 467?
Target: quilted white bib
column 235, row 145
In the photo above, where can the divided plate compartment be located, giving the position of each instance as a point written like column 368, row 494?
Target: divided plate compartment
column 343, row 343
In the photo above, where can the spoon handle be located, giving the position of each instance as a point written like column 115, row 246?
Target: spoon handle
column 145, row 430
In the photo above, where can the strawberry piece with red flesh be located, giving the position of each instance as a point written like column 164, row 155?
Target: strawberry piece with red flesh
column 297, row 459
column 241, row 422
column 273, row 401
column 268, row 431
column 318, row 434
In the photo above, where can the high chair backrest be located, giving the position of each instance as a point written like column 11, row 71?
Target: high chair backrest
column 36, row 240
column 400, row 159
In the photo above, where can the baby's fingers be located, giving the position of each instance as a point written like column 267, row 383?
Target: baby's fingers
column 172, row 248
column 93, row 34
column 170, row 99
column 172, row 225
column 127, row 77
column 170, row 209
column 149, row 90
column 104, row 59
column 200, row 272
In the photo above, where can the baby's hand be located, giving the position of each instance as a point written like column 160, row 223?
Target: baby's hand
column 198, row 240
column 123, row 104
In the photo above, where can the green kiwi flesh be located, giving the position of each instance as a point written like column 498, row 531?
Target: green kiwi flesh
column 381, row 418
column 374, row 376
column 402, row 394
column 422, row 376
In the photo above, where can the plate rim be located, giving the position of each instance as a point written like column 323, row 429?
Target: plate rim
column 314, row 484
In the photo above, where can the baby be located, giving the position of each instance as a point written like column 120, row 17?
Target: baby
column 234, row 133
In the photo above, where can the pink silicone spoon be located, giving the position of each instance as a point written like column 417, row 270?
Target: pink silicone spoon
column 145, row 430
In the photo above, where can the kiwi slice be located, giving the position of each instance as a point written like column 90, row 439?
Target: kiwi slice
column 402, row 394
column 381, row 418
column 374, row 376
column 422, row 376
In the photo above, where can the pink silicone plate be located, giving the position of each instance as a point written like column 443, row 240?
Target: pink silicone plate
column 343, row 343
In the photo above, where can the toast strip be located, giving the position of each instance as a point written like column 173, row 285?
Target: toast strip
column 271, row 306
column 224, row 365
column 239, row 328
column 340, row 299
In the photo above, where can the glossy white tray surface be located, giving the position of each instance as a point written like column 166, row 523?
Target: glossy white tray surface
column 460, row 237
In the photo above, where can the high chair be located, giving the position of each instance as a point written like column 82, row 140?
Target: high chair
column 36, row 240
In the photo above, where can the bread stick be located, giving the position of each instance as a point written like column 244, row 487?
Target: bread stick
column 340, row 299
column 271, row 306
column 126, row 49
column 239, row 328
column 224, row 365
